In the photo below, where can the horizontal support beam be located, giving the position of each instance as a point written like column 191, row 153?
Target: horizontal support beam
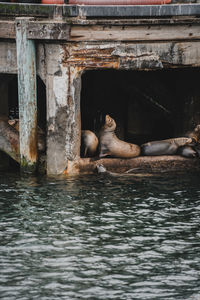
column 50, row 31
column 31, row 10
column 37, row 30
column 135, row 33
column 7, row 29
column 41, row 10
column 168, row 10
column 37, row 10
column 140, row 165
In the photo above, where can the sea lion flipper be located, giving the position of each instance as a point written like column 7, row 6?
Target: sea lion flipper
column 85, row 151
column 104, row 154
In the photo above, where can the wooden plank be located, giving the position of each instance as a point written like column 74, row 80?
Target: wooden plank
column 37, row 30
column 42, row 30
column 28, row 9
column 135, row 33
column 143, row 164
column 47, row 30
column 7, row 29
column 183, row 20
column 8, row 58
column 26, row 62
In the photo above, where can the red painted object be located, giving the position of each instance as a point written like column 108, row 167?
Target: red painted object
column 52, row 1
column 118, row 2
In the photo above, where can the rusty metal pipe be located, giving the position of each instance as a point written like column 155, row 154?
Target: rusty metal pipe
column 118, row 2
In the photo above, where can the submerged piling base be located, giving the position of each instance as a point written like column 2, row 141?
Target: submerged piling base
column 152, row 164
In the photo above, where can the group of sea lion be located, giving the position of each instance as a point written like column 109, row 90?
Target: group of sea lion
column 108, row 144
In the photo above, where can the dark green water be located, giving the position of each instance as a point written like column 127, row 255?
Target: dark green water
column 96, row 237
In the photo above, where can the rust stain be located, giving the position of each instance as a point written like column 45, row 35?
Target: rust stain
column 82, row 63
column 66, row 171
column 33, row 142
column 33, row 139
column 93, row 52
column 70, row 101
column 33, row 148
column 89, row 58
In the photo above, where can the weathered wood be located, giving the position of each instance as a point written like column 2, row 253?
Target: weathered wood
column 135, row 33
column 40, row 134
column 48, row 30
column 43, row 30
column 133, row 10
column 9, row 140
column 26, row 61
column 8, row 58
column 150, row 164
column 143, row 56
column 40, row 10
column 7, row 29
column 26, row 9
column 9, row 143
column 176, row 20
column 63, row 111
column 37, row 30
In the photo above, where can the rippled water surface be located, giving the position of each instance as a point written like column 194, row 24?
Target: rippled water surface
column 94, row 237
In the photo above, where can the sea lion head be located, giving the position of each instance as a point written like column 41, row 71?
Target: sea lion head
column 14, row 123
column 110, row 124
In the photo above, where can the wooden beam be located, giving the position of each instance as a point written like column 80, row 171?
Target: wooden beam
column 9, row 139
column 26, row 62
column 48, row 30
column 122, row 11
column 63, row 116
column 142, row 30
column 37, row 30
column 135, row 33
column 7, row 29
column 140, row 165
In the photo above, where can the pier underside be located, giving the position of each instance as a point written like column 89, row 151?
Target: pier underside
column 63, row 68
column 146, row 105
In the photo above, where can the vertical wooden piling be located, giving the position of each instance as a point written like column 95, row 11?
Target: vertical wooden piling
column 63, row 86
column 63, row 121
column 27, row 94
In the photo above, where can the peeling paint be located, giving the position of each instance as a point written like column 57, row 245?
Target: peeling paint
column 26, row 60
column 60, row 86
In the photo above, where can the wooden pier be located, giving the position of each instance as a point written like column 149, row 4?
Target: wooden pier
column 60, row 44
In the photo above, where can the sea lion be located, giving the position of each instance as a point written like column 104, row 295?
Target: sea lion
column 40, row 134
column 89, row 143
column 102, row 170
column 165, row 147
column 192, row 150
column 197, row 149
column 194, row 134
column 111, row 145
column 187, row 151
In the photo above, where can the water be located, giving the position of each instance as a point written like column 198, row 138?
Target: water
column 95, row 237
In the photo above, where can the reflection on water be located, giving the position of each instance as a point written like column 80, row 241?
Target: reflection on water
column 95, row 237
